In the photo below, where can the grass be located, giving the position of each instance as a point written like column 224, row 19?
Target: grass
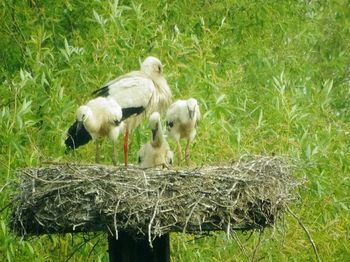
column 271, row 77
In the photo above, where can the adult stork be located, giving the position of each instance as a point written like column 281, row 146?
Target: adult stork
column 141, row 93
column 98, row 118
column 155, row 152
column 182, row 118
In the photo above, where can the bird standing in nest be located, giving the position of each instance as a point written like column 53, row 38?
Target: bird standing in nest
column 182, row 119
column 156, row 152
column 140, row 93
column 98, row 118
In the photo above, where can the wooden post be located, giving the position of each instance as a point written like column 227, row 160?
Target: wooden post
column 127, row 249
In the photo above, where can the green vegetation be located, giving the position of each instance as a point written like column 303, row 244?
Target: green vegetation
column 271, row 77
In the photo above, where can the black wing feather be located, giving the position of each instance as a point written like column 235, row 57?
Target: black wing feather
column 75, row 140
column 103, row 91
column 130, row 111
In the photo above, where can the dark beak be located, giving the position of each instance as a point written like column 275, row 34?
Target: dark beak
column 191, row 113
column 79, row 126
column 154, row 133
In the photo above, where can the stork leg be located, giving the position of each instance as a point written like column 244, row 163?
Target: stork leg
column 179, row 154
column 187, row 152
column 126, row 147
column 97, row 155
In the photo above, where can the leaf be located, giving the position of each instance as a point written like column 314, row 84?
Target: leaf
column 3, row 226
column 260, row 120
column 220, row 99
column 31, row 250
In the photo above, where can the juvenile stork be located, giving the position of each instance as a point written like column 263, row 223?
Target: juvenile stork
column 141, row 92
column 98, row 118
column 156, row 152
column 182, row 118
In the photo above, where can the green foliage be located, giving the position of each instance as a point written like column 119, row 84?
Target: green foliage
column 271, row 77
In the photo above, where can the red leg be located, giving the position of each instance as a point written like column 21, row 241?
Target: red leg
column 126, row 147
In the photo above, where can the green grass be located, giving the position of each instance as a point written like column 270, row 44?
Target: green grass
column 271, row 77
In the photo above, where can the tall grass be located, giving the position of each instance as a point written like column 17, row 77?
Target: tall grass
column 272, row 77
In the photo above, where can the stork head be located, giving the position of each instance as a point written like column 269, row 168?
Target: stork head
column 154, row 123
column 191, row 106
column 83, row 113
column 152, row 66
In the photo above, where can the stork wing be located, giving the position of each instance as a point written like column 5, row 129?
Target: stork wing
column 104, row 90
column 131, row 111
column 131, row 90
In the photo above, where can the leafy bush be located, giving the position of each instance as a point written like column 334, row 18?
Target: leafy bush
column 271, row 77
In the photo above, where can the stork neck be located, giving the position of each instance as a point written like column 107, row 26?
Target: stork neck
column 159, row 138
column 164, row 92
column 91, row 123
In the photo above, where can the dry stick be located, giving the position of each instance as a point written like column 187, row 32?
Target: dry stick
column 115, row 219
column 48, row 181
column 307, row 233
column 150, row 224
column 153, row 217
column 189, row 216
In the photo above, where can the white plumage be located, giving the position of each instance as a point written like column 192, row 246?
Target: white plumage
column 182, row 118
column 139, row 93
column 156, row 152
column 101, row 117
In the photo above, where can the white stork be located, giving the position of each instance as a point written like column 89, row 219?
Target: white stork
column 139, row 93
column 182, row 118
column 98, row 118
column 156, row 152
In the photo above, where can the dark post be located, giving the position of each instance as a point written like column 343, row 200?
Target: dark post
column 128, row 249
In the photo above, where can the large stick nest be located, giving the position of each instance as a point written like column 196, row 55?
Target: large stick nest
column 248, row 194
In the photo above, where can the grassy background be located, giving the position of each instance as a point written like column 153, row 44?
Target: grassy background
column 271, row 77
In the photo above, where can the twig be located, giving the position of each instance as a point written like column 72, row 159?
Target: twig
column 191, row 212
column 81, row 245
column 307, row 233
column 76, row 250
column 93, row 247
column 150, row 224
column 203, row 235
column 6, row 206
column 115, row 220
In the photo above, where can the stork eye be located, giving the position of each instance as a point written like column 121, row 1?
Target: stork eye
column 159, row 68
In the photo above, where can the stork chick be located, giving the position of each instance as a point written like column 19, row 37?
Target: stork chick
column 100, row 117
column 143, row 92
column 182, row 118
column 156, row 152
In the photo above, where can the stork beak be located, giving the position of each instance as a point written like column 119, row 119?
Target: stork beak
column 191, row 113
column 154, row 133
column 79, row 126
